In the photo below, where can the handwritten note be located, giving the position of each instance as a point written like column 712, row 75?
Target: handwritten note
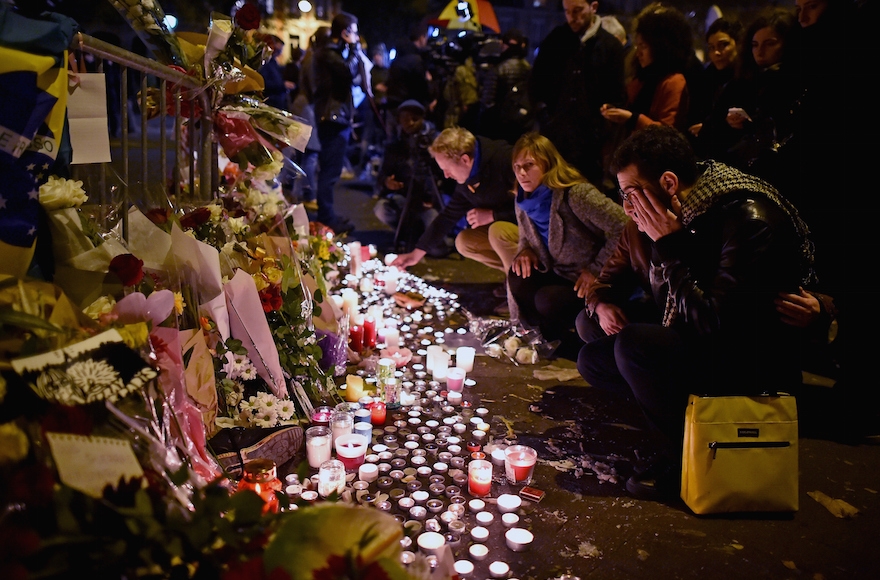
column 91, row 463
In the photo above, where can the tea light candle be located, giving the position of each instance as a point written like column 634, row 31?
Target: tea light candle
column 499, row 569
column 476, row 505
column 479, row 534
column 368, row 472
column 485, row 518
column 456, row 509
column 405, row 503
column 420, row 496
column 377, row 413
column 478, row 551
column 518, row 539
column 498, row 456
column 434, row 505
column 418, row 512
column 463, row 567
column 508, row 502
column 509, row 520
column 464, row 358
column 453, row 398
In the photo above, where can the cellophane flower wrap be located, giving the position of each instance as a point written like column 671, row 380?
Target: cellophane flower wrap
column 147, row 19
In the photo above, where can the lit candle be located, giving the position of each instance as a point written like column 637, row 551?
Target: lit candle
column 369, row 326
column 441, row 367
column 485, row 518
column 354, row 388
column 431, row 542
column 499, row 569
column 509, row 520
column 349, row 303
column 518, row 539
column 508, row 502
column 356, row 338
column 478, row 551
column 368, row 472
column 464, row 358
column 366, row 285
column 479, row 477
column 377, row 413
column 392, row 339
column 455, row 379
column 354, row 249
column 331, row 477
column 389, row 259
column 479, row 534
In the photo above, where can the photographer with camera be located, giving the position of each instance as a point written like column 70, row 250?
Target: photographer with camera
column 409, row 198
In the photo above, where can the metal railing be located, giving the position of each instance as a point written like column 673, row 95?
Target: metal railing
column 201, row 165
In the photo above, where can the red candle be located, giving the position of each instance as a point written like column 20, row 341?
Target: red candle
column 377, row 413
column 370, row 332
column 479, row 477
column 356, row 338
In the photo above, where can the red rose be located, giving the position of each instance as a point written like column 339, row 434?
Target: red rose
column 248, row 16
column 128, row 268
column 195, row 218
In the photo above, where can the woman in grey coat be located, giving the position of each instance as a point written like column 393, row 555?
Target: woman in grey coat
column 567, row 229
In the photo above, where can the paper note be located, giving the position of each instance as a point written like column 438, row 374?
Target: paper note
column 91, row 463
column 87, row 115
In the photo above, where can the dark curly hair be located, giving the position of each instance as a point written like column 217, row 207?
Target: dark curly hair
column 667, row 31
column 656, row 149
column 784, row 23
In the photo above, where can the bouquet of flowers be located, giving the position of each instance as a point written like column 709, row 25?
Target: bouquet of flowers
column 147, row 18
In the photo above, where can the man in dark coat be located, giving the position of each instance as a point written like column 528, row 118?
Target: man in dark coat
column 579, row 66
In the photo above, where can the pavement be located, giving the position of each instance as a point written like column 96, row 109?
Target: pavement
column 588, row 441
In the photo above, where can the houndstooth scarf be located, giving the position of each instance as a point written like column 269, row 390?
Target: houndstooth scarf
column 717, row 180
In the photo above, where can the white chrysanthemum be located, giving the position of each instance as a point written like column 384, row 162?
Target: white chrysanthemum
column 238, row 225
column 265, row 421
column 286, row 409
column 250, row 404
column 248, row 373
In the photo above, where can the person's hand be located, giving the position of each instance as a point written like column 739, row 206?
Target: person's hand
column 583, row 282
column 695, row 129
column 391, row 184
column 408, row 259
column 611, row 318
column 480, row 217
column 653, row 216
column 799, row 309
column 615, row 114
column 524, row 263
column 737, row 117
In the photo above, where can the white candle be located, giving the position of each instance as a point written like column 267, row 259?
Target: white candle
column 518, row 539
column 478, row 551
column 431, row 542
column 441, row 366
column 509, row 520
column 349, row 302
column 389, row 259
column 392, row 339
column 354, row 249
column 464, row 358
column 499, row 569
column 508, row 502
column 433, row 351
column 480, row 534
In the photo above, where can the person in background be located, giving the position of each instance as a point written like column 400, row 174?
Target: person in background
column 657, row 93
column 567, row 230
column 484, row 177
column 337, row 68
column 461, row 92
column 275, row 88
column 721, row 47
column 291, row 74
column 505, row 112
column 408, row 76
column 724, row 244
column 578, row 67
column 405, row 174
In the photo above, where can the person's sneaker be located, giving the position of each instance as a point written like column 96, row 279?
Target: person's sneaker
column 660, row 482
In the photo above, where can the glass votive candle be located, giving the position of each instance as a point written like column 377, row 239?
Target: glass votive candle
column 479, row 477
column 331, row 477
column 479, row 534
column 319, row 445
column 509, row 520
column 321, row 416
column 478, row 552
column 508, row 502
column 518, row 539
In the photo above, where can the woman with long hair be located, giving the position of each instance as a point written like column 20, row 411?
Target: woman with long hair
column 567, row 229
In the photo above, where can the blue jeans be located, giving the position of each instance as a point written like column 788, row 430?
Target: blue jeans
column 334, row 144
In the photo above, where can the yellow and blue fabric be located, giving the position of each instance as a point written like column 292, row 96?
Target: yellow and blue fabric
column 33, row 109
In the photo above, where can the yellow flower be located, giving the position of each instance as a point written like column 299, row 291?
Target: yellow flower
column 103, row 305
column 179, row 303
column 13, row 444
column 260, row 281
column 273, row 274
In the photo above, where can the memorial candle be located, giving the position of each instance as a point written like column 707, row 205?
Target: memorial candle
column 369, row 327
column 354, row 388
column 479, row 477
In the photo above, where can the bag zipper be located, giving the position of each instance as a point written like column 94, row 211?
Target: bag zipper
column 716, row 445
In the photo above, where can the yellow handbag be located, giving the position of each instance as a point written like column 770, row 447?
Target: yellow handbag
column 740, row 454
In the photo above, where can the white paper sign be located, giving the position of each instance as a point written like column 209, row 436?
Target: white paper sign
column 87, row 114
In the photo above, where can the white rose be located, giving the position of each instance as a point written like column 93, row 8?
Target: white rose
column 511, row 345
column 59, row 193
column 526, row 356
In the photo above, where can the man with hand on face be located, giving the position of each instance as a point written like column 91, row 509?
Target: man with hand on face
column 482, row 171
column 723, row 245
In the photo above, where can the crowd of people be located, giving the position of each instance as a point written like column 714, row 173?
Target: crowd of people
column 647, row 205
